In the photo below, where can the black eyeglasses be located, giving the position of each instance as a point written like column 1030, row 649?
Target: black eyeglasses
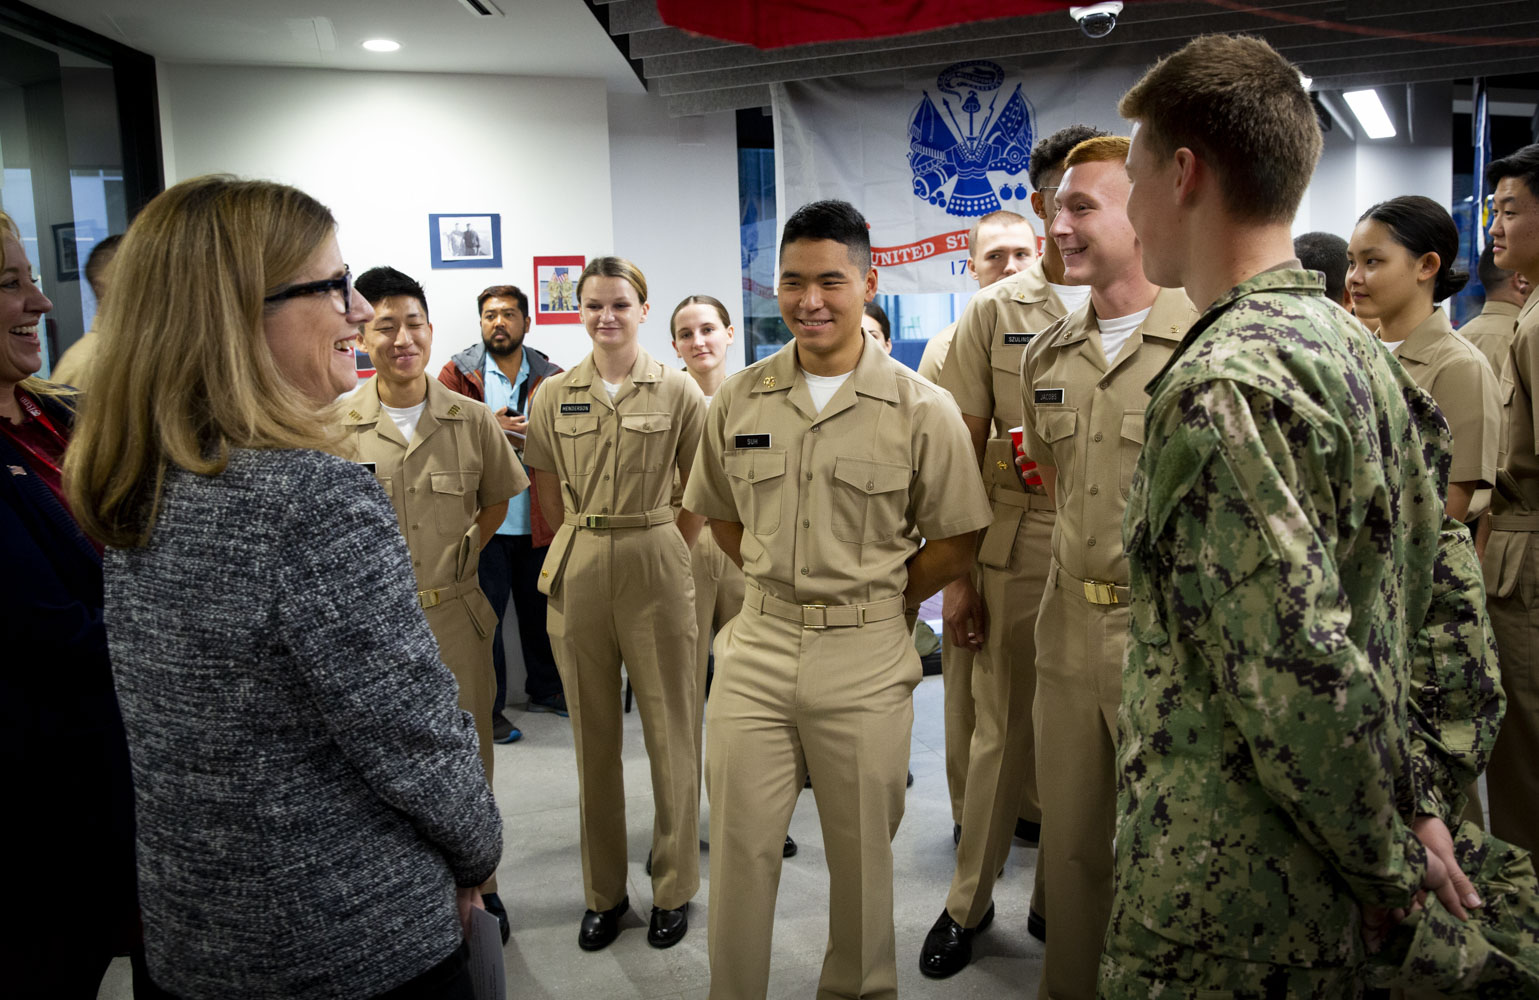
column 343, row 284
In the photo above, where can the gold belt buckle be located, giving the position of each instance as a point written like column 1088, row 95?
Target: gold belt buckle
column 818, row 607
column 430, row 598
column 595, row 521
column 1100, row 593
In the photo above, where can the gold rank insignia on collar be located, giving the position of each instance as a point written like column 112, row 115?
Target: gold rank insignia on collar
column 455, row 409
column 769, row 381
column 355, row 414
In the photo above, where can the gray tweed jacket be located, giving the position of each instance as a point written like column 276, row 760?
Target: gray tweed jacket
column 308, row 789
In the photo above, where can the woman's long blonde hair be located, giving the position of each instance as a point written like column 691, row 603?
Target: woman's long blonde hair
column 36, row 386
column 185, row 373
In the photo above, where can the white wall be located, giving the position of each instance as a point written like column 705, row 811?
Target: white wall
column 676, row 210
column 384, row 150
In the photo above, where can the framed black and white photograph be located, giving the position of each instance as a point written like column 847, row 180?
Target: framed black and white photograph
column 466, row 240
column 66, row 253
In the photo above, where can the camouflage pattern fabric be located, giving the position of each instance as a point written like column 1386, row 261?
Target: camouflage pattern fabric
column 1456, row 700
column 1493, row 956
column 1282, row 529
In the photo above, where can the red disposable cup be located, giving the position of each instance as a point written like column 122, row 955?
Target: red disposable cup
column 1028, row 468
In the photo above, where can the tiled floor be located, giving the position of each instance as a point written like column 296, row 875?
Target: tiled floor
column 541, row 884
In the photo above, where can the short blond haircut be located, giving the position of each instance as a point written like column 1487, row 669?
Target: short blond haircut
column 1000, row 217
column 1241, row 107
column 1101, row 149
column 614, row 267
column 185, row 373
column 32, row 384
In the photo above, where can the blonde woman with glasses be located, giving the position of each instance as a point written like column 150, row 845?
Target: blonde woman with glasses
column 313, row 820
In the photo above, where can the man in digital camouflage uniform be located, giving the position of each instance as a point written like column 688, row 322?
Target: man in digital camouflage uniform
column 1282, row 531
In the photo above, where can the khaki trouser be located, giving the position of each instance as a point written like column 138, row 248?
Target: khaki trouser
column 619, row 600
column 1002, row 757
column 1512, row 776
column 961, row 716
column 787, row 700
column 718, row 597
column 1080, row 652
column 463, row 622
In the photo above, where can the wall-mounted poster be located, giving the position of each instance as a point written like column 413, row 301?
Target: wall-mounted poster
column 66, row 253
column 466, row 240
column 555, row 289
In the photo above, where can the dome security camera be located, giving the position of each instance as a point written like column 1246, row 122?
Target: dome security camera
column 1096, row 20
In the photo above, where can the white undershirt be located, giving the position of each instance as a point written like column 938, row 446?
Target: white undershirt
column 1115, row 332
column 405, row 417
column 823, row 387
column 1392, row 346
column 1072, row 296
column 611, row 388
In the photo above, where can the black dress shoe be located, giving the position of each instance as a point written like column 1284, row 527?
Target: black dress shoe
column 788, row 851
column 1036, row 925
column 493, row 904
column 668, row 927
column 910, row 782
column 949, row 946
column 1028, row 831
column 956, row 834
column 648, row 865
column 599, row 927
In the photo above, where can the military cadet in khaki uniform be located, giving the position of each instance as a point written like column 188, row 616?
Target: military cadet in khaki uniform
column 449, row 472
column 1400, row 263
column 1512, row 556
column 1493, row 330
column 990, row 759
column 1082, row 394
column 604, row 455
column 998, row 245
column 821, row 468
column 702, row 332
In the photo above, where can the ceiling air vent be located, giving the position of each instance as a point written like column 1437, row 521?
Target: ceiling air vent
column 481, row 8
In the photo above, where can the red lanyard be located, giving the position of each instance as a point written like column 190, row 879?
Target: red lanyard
column 36, row 413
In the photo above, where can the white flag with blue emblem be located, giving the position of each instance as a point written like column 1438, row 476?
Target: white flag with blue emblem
column 924, row 153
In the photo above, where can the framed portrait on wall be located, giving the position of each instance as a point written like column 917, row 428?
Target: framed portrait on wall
column 66, row 252
column 466, row 239
column 555, row 289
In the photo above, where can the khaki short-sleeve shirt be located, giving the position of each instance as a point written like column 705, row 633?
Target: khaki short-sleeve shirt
column 1492, row 331
column 934, row 357
column 458, row 462
column 615, row 457
column 833, row 504
column 1518, row 479
column 983, row 367
column 1460, row 381
column 1085, row 418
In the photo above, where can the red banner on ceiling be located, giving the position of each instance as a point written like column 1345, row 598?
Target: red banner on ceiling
column 769, row 24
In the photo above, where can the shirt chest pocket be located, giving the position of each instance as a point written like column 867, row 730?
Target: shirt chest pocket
column 1056, row 428
column 867, row 500
column 454, row 499
column 1132, row 445
column 1005, row 368
column 578, row 439
column 758, row 481
column 645, row 442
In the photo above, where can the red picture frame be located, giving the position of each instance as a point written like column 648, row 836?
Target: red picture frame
column 555, row 289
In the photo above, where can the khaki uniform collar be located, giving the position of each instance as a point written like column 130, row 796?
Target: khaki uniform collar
column 1419, row 343
column 1029, row 286
column 875, row 374
column 585, row 373
column 1495, row 307
column 1169, row 316
column 1528, row 307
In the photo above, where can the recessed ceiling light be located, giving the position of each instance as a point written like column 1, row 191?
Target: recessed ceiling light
column 1365, row 104
column 381, row 45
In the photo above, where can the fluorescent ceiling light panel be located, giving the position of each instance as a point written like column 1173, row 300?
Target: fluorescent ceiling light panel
column 381, row 45
column 1365, row 104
